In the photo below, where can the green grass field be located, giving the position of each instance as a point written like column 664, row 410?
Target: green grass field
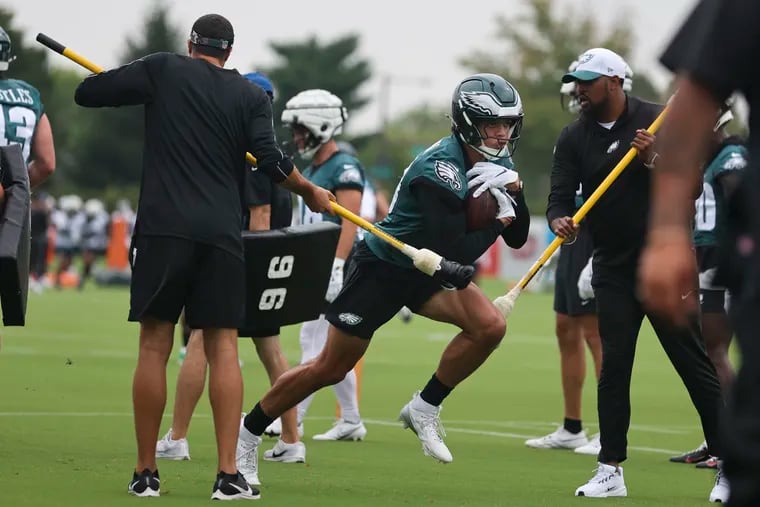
column 66, row 435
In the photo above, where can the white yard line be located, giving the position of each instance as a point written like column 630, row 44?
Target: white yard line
column 378, row 422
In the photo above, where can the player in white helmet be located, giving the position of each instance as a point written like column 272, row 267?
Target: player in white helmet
column 315, row 117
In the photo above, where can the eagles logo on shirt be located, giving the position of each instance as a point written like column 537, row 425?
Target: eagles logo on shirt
column 350, row 174
column 735, row 161
column 448, row 172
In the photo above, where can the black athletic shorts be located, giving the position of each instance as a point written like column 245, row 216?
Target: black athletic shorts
column 712, row 297
column 374, row 291
column 572, row 259
column 170, row 273
column 258, row 333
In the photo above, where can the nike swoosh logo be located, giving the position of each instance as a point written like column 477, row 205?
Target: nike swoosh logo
column 278, row 454
column 247, row 489
column 584, row 302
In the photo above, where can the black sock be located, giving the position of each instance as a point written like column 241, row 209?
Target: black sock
column 435, row 391
column 257, row 421
column 573, row 425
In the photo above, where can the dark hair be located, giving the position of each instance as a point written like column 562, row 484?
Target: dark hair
column 212, row 35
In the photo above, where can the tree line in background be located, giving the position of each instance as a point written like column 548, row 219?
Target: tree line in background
column 99, row 151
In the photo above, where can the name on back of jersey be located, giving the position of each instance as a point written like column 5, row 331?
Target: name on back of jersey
column 16, row 96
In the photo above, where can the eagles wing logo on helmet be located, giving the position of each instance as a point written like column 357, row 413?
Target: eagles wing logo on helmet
column 481, row 102
column 449, row 173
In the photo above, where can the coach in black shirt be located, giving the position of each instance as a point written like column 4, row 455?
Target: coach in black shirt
column 200, row 119
column 586, row 152
column 715, row 53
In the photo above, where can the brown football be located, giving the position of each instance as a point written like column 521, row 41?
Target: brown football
column 480, row 211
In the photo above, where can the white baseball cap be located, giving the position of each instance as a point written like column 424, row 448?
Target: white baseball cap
column 595, row 63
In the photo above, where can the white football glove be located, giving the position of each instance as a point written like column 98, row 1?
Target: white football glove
column 506, row 204
column 336, row 280
column 485, row 175
column 585, row 290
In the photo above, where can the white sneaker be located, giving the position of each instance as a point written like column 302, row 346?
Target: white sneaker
column 592, row 448
column 344, row 430
column 247, row 456
column 428, row 428
column 721, row 490
column 275, row 429
column 166, row 448
column 286, row 453
column 560, row 439
column 608, row 481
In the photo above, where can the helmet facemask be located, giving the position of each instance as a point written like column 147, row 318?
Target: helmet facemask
column 5, row 51
column 480, row 102
column 321, row 116
column 478, row 134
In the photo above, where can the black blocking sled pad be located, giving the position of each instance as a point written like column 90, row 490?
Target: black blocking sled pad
column 287, row 273
column 15, row 242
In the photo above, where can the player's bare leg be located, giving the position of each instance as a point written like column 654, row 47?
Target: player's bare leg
column 225, row 388
column 483, row 328
column 717, row 330
column 338, row 357
column 190, row 383
column 276, row 364
column 149, row 388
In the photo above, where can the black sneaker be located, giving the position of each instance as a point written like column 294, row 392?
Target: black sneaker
column 692, row 457
column 710, row 463
column 233, row 487
column 146, row 483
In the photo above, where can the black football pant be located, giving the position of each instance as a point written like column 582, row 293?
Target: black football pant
column 620, row 317
column 741, row 434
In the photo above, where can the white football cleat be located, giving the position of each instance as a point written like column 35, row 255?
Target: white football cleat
column 721, row 490
column 275, row 429
column 344, row 430
column 167, row 448
column 286, row 453
column 607, row 481
column 559, row 439
column 592, row 448
column 247, row 456
column 428, row 428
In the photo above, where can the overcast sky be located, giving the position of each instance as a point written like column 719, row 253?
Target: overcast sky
column 418, row 42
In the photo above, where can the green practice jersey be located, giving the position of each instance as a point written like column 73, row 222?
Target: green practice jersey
column 22, row 109
column 340, row 172
column 710, row 216
column 444, row 164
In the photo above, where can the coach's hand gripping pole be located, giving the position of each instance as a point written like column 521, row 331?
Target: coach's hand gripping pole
column 506, row 303
column 447, row 272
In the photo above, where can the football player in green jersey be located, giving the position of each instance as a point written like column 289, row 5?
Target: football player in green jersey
column 721, row 178
column 316, row 117
column 23, row 120
column 427, row 211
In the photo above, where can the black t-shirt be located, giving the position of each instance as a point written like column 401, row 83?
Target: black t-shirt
column 585, row 153
column 261, row 190
column 719, row 47
column 200, row 120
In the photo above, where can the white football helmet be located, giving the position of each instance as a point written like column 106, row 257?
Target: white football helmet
column 70, row 203
column 568, row 89
column 320, row 112
column 94, row 206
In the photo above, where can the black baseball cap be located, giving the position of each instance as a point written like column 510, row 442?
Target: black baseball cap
column 212, row 30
